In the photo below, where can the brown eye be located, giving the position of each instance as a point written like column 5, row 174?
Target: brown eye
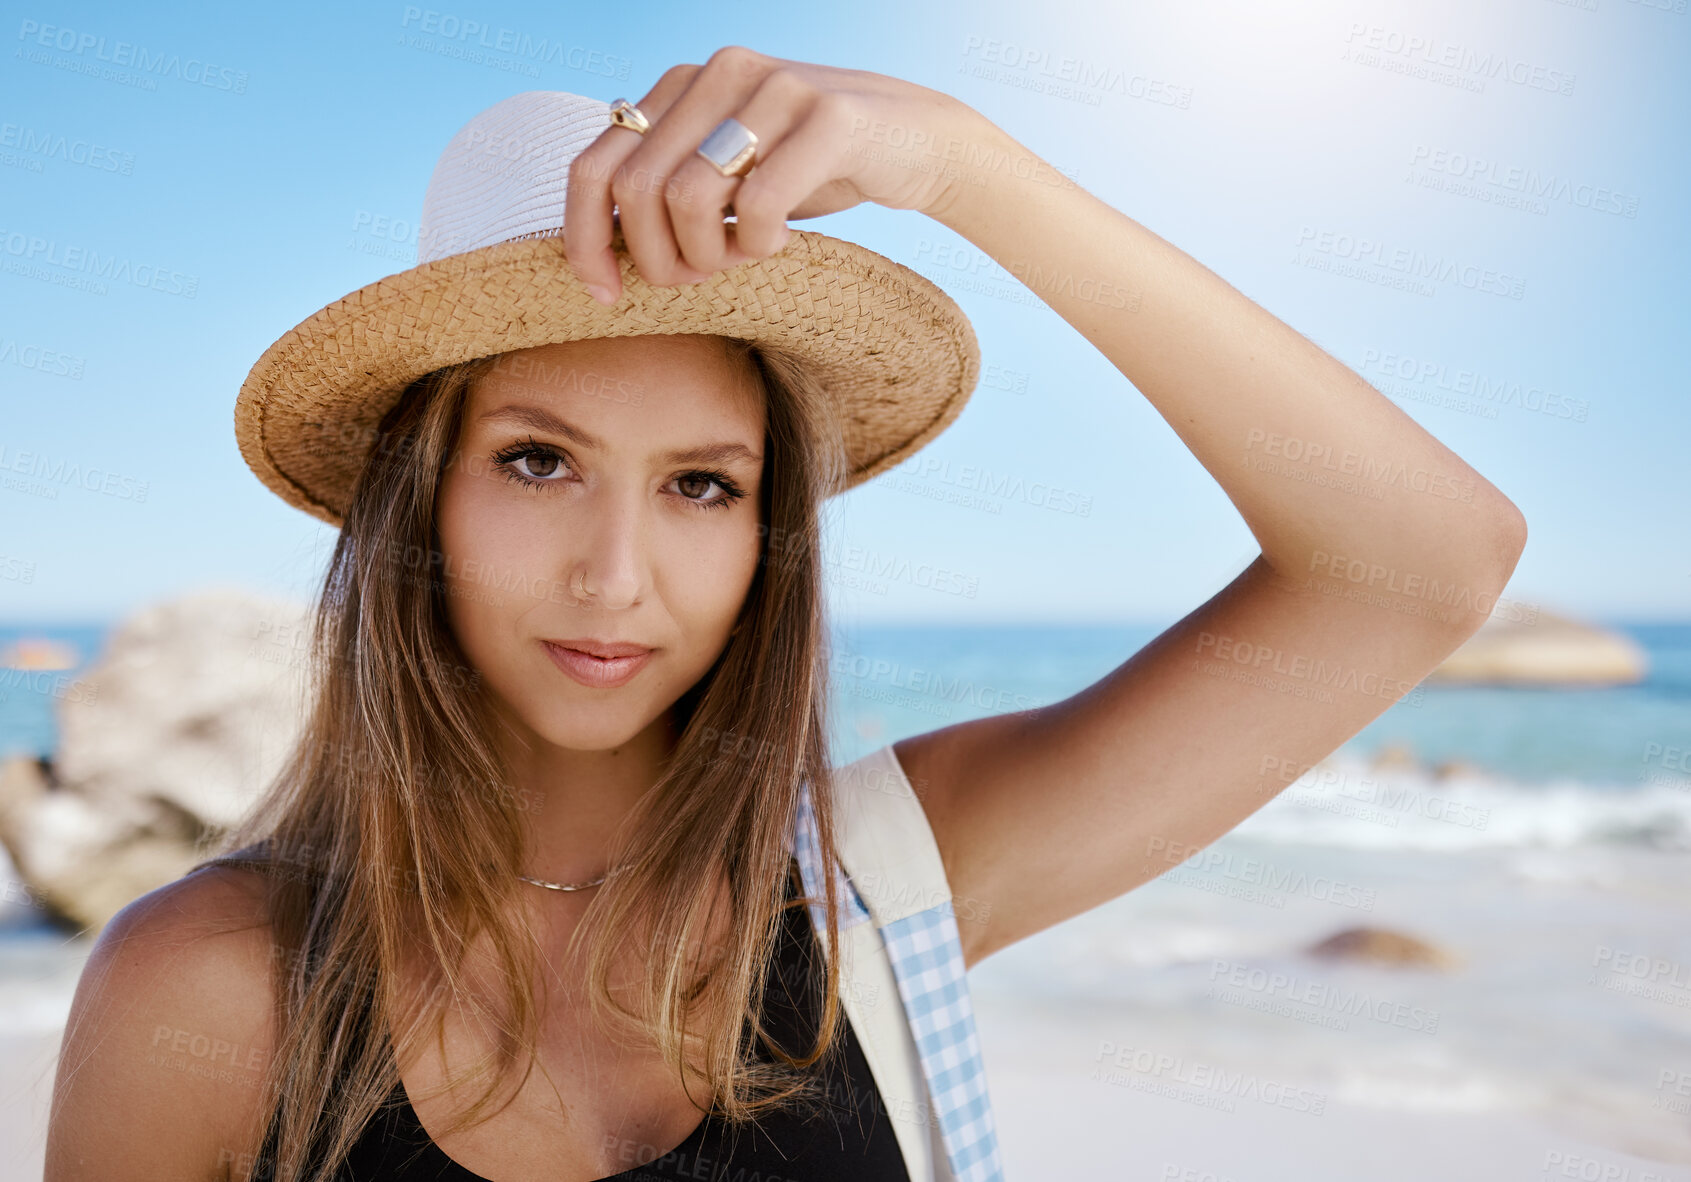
column 530, row 464
column 729, row 491
column 540, row 464
column 704, row 481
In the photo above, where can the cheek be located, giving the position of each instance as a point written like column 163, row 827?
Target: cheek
column 458, row 546
column 486, row 560
column 728, row 571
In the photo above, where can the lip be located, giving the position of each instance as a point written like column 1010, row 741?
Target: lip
column 601, row 648
column 618, row 667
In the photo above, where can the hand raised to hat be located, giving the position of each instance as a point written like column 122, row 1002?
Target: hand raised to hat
column 812, row 124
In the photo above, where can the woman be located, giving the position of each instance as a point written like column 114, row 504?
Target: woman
column 570, row 644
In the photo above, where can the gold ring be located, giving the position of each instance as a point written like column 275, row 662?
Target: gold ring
column 626, row 114
column 730, row 147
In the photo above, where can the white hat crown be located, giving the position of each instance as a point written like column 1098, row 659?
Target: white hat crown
column 505, row 174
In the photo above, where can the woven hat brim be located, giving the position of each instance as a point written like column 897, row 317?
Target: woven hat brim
column 894, row 351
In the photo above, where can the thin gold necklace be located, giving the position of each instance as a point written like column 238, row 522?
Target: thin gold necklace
column 565, row 886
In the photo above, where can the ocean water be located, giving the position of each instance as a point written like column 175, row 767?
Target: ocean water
column 907, row 679
column 1491, row 766
column 893, row 681
column 1542, row 838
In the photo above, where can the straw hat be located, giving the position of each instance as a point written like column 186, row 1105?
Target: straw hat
column 896, row 353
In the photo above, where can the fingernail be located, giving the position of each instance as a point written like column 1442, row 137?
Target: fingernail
column 602, row 294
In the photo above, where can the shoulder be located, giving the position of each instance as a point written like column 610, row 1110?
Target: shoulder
column 174, row 1013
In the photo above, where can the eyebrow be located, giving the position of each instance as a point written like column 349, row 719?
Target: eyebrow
column 540, row 419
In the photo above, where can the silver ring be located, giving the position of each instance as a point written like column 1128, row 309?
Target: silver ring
column 730, row 147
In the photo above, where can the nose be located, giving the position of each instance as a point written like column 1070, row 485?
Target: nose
column 609, row 554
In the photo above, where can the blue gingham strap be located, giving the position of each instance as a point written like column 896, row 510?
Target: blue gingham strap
column 925, row 952
column 927, row 960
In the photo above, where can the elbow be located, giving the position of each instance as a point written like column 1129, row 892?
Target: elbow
column 1497, row 546
column 1510, row 538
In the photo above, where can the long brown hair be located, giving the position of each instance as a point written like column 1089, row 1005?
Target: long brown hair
column 391, row 838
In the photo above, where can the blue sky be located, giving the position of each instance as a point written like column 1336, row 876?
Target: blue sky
column 1264, row 140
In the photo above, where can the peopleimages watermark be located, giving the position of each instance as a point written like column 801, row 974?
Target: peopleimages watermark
column 897, row 895
column 1639, row 974
column 977, row 479
column 1255, row 873
column 46, row 361
column 206, row 1056
column 1372, row 577
column 928, row 683
column 1063, row 76
column 1160, row 1073
column 1315, row 671
column 1561, row 1164
column 1469, row 390
column 148, row 64
column 1000, row 377
column 1679, row 1082
column 525, row 372
column 385, row 237
column 16, row 570
column 952, row 157
column 846, row 563
column 16, row 890
column 1367, row 258
column 1448, row 170
column 1288, row 995
column 1174, row 1172
column 466, row 31
column 31, row 252
column 1383, row 473
column 1419, row 605
column 36, row 146
column 290, row 643
column 1672, row 759
column 49, row 474
column 1380, row 798
column 475, row 579
column 52, row 683
column 967, row 261
column 1447, row 62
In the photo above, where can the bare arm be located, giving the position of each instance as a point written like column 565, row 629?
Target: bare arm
column 1044, row 814
column 166, row 1042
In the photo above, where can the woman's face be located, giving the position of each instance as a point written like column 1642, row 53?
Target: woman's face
column 617, row 461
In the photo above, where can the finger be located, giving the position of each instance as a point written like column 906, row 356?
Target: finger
column 588, row 209
column 810, row 156
column 707, row 243
column 588, row 202
column 720, row 88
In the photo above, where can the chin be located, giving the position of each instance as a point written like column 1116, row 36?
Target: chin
column 587, row 727
column 583, row 732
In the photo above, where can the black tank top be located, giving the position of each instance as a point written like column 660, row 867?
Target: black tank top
column 850, row 1140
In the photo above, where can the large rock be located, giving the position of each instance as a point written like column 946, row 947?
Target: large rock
column 1385, row 947
column 1540, row 648
column 168, row 738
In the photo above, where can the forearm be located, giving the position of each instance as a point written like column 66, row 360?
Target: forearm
column 1316, row 460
